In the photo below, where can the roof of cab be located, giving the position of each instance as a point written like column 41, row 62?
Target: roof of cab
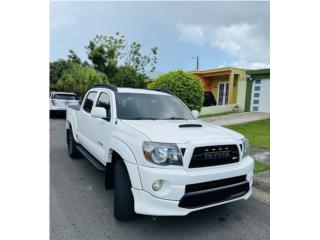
column 137, row 90
column 142, row 91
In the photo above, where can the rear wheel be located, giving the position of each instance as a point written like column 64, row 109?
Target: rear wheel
column 52, row 114
column 123, row 198
column 72, row 149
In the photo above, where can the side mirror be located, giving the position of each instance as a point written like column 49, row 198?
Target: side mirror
column 195, row 113
column 99, row 112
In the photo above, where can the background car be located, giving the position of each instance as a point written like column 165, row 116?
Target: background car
column 59, row 101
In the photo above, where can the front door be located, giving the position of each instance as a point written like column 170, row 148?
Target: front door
column 85, row 133
column 102, row 127
column 223, row 92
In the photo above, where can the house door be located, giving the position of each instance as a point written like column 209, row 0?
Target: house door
column 223, row 92
column 260, row 96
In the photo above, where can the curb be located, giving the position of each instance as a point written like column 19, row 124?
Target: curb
column 261, row 181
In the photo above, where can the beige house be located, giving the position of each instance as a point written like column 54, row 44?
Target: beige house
column 225, row 89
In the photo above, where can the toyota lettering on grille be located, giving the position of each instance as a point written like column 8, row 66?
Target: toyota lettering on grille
column 214, row 155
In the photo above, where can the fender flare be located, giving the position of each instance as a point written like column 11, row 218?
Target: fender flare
column 122, row 149
column 68, row 125
column 130, row 161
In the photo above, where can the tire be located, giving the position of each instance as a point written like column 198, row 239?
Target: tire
column 72, row 150
column 52, row 114
column 123, row 198
column 109, row 176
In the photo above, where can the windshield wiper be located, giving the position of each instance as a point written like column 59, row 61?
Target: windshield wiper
column 173, row 118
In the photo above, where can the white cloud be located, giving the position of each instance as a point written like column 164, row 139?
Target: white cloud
column 247, row 43
column 192, row 33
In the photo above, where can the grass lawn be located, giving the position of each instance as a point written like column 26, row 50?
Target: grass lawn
column 258, row 132
column 260, row 167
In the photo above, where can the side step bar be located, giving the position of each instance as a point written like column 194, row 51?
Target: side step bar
column 91, row 158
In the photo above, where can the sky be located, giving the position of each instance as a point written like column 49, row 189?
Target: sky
column 221, row 33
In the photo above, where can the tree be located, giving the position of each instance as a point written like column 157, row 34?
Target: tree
column 73, row 57
column 107, row 52
column 57, row 68
column 79, row 79
column 184, row 85
column 127, row 76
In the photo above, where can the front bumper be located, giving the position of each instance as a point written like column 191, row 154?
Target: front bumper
column 169, row 200
column 146, row 204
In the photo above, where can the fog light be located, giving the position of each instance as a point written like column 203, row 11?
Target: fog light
column 157, row 185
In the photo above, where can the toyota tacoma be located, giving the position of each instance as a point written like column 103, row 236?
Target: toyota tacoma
column 156, row 155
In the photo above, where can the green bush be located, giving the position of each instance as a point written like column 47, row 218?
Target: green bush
column 184, row 85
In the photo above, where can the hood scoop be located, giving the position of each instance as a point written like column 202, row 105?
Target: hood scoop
column 189, row 125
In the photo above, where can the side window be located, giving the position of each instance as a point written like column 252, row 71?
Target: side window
column 87, row 106
column 104, row 101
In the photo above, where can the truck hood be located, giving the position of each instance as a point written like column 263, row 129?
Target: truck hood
column 170, row 131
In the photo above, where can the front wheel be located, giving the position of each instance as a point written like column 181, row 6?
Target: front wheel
column 123, row 198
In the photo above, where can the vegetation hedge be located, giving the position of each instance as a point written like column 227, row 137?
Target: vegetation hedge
column 184, row 85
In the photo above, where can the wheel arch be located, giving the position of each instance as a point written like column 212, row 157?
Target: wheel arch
column 119, row 151
column 71, row 126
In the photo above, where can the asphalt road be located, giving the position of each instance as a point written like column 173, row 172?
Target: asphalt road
column 80, row 207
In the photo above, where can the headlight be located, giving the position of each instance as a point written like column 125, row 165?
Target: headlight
column 245, row 147
column 162, row 153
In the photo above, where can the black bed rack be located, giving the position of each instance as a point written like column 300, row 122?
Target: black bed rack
column 108, row 86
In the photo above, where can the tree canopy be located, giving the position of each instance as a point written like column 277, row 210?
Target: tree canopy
column 79, row 79
column 112, row 58
column 107, row 53
column 128, row 77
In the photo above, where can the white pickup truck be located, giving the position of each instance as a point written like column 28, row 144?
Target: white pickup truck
column 157, row 156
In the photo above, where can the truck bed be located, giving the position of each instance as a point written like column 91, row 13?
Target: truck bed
column 75, row 107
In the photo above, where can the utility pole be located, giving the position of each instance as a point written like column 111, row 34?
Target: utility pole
column 197, row 57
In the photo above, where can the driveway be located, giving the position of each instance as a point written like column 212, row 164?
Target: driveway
column 80, row 207
column 237, row 118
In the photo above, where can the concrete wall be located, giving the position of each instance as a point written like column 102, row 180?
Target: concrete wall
column 217, row 109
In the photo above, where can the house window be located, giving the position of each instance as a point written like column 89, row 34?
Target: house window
column 257, row 95
column 257, row 88
column 223, row 92
column 258, row 82
column 255, row 109
column 256, row 101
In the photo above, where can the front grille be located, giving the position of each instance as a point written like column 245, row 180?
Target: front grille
column 207, row 193
column 215, row 184
column 214, row 156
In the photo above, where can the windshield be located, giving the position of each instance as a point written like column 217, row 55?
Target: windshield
column 135, row 106
column 65, row 97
